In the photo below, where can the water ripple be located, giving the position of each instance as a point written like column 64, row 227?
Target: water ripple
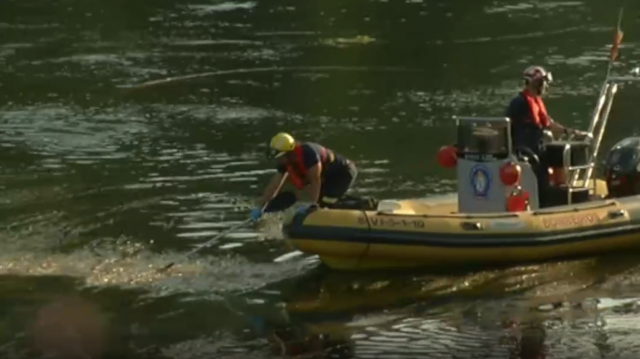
column 224, row 6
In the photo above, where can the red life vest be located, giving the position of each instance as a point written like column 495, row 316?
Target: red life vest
column 539, row 115
column 297, row 171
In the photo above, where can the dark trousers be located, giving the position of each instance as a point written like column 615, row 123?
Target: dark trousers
column 531, row 137
column 542, row 174
column 336, row 184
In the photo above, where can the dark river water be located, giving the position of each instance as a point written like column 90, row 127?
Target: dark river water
column 104, row 179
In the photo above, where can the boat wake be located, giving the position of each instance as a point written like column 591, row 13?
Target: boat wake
column 129, row 264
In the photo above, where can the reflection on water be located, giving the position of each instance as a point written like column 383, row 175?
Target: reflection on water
column 555, row 310
column 132, row 132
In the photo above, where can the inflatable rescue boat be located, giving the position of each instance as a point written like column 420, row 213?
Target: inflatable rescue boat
column 498, row 215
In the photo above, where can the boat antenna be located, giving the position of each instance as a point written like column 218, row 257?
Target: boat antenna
column 617, row 40
column 606, row 93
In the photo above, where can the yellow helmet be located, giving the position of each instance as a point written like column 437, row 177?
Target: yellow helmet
column 281, row 143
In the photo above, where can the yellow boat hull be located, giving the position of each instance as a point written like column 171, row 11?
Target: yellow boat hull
column 394, row 256
column 416, row 233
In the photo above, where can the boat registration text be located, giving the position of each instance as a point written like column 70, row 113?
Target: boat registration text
column 378, row 222
column 570, row 221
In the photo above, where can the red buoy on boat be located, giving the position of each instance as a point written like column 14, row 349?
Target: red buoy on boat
column 510, row 173
column 518, row 201
column 447, row 156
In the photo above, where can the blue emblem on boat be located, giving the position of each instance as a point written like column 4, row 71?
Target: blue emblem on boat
column 480, row 181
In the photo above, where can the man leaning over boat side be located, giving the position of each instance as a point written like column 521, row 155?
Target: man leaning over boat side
column 326, row 174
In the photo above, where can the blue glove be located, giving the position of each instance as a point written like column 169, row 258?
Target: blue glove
column 256, row 213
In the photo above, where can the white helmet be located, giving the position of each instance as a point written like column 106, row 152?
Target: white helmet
column 537, row 72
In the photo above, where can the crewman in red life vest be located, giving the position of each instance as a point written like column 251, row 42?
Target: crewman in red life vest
column 528, row 114
column 325, row 174
column 529, row 120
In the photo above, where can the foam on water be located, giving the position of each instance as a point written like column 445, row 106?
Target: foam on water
column 127, row 264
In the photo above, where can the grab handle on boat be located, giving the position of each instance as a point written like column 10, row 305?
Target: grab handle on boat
column 471, row 226
column 617, row 213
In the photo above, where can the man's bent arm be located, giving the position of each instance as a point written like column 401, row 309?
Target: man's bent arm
column 557, row 127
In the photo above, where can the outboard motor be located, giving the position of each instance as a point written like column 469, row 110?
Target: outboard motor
column 622, row 168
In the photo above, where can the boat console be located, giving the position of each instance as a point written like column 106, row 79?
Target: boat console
column 483, row 149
